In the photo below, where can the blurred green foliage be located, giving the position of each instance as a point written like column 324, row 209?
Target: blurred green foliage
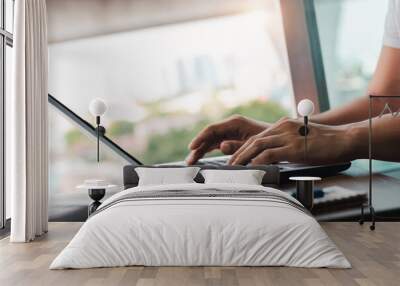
column 172, row 146
column 267, row 111
column 73, row 137
column 120, row 128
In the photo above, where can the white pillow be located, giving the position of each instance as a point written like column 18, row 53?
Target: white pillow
column 165, row 176
column 248, row 177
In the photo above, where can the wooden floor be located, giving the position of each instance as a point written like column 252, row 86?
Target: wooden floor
column 375, row 257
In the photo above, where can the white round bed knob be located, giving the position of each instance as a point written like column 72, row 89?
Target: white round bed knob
column 97, row 107
column 305, row 107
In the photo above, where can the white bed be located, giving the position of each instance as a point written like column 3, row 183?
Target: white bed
column 271, row 229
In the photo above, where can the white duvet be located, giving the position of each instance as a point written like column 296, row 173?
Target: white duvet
column 200, row 231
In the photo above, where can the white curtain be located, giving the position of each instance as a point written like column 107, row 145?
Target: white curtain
column 27, row 122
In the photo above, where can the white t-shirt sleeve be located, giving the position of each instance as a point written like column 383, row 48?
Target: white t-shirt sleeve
column 391, row 36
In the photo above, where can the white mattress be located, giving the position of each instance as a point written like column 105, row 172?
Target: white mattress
column 200, row 231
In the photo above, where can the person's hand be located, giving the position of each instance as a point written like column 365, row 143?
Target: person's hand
column 282, row 142
column 227, row 135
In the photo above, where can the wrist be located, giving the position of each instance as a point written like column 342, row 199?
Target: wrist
column 357, row 141
column 322, row 118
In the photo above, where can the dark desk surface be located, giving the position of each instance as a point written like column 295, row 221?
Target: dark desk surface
column 386, row 192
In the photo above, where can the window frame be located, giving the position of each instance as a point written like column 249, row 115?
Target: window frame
column 304, row 53
column 6, row 39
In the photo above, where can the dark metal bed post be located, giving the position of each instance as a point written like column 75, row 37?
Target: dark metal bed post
column 371, row 116
column 370, row 206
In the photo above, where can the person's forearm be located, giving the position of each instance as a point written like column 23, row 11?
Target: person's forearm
column 385, row 139
column 386, row 81
column 353, row 112
column 356, row 111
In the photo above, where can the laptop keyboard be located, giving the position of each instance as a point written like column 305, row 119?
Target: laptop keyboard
column 216, row 162
column 223, row 160
column 286, row 169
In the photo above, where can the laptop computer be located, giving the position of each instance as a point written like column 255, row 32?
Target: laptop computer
column 286, row 169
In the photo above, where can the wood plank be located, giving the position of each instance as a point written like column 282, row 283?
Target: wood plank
column 375, row 257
